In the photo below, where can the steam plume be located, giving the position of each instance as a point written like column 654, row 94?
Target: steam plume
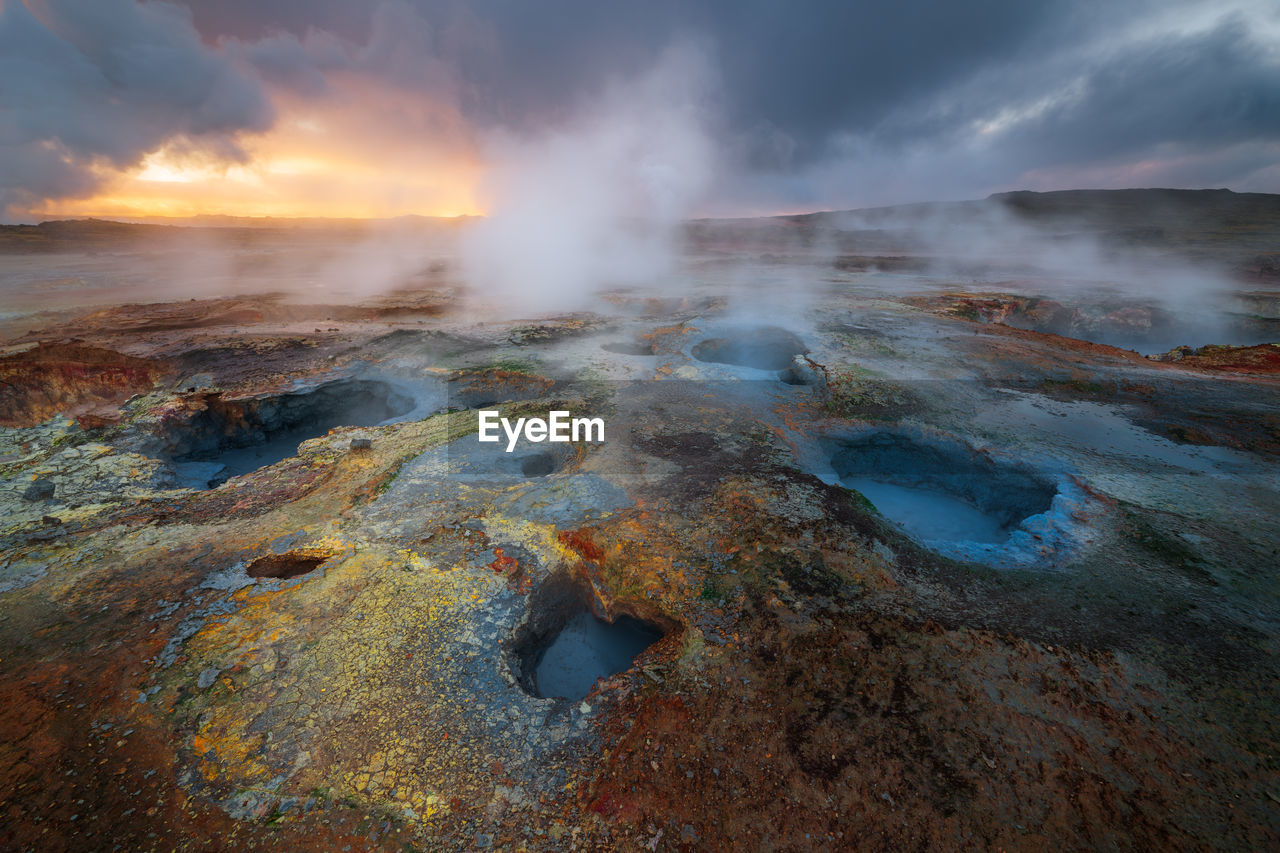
column 597, row 201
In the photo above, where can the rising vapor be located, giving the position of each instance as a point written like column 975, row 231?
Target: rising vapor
column 596, row 201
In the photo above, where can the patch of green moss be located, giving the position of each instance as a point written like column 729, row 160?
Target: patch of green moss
column 862, row 501
column 711, row 589
column 512, row 365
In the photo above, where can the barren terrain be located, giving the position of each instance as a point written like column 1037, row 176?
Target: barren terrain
column 261, row 588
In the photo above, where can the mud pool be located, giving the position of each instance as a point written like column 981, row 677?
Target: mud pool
column 764, row 348
column 930, row 513
column 587, row 649
column 1143, row 326
column 1220, row 330
column 940, row 491
column 636, row 348
column 538, row 464
column 235, row 438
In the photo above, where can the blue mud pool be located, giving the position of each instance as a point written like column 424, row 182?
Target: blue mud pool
column 587, row 649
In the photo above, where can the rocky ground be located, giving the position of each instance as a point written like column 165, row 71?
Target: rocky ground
column 329, row 652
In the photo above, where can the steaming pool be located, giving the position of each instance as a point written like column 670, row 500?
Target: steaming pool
column 587, row 649
column 958, row 501
column 760, row 348
column 231, row 438
column 930, row 513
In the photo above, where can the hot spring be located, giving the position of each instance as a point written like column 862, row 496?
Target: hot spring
column 564, row 648
column 234, row 437
column 941, row 491
column 762, row 348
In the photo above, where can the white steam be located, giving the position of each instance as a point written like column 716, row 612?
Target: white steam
column 596, row 202
column 1093, row 260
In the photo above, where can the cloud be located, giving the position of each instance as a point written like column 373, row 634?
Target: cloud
column 402, row 50
column 1220, row 86
column 86, row 84
column 1189, row 100
column 836, row 104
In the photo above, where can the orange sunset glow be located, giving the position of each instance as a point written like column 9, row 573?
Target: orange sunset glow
column 358, row 153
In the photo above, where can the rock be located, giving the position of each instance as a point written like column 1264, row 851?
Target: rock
column 361, row 443
column 51, row 520
column 39, row 490
column 200, row 475
column 207, row 677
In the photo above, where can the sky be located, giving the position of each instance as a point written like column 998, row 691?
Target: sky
column 722, row 107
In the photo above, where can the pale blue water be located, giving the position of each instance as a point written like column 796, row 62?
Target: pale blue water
column 587, row 649
column 930, row 514
column 281, row 445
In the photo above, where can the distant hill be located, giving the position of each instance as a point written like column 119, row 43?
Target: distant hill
column 1240, row 229
column 62, row 235
column 1148, row 205
column 1154, row 207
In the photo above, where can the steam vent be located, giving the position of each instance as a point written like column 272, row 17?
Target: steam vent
column 497, row 427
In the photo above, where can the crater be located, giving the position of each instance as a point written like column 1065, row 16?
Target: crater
column 284, row 566
column 539, row 464
column 640, row 348
column 232, row 437
column 763, row 348
column 564, row 648
column 941, row 491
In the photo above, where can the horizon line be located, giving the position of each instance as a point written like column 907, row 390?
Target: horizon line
column 252, row 220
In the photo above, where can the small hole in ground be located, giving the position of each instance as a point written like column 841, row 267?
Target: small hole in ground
column 628, row 348
column 283, row 565
column 538, row 464
column 764, row 348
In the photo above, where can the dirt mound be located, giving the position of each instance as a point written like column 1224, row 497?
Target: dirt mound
column 72, row 379
column 1263, row 358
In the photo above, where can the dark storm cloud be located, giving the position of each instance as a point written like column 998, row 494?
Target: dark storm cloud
column 802, row 71
column 812, row 100
column 1200, row 90
column 106, row 81
column 799, row 82
column 1190, row 105
column 398, row 48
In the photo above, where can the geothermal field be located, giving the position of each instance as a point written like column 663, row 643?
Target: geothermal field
column 933, row 527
